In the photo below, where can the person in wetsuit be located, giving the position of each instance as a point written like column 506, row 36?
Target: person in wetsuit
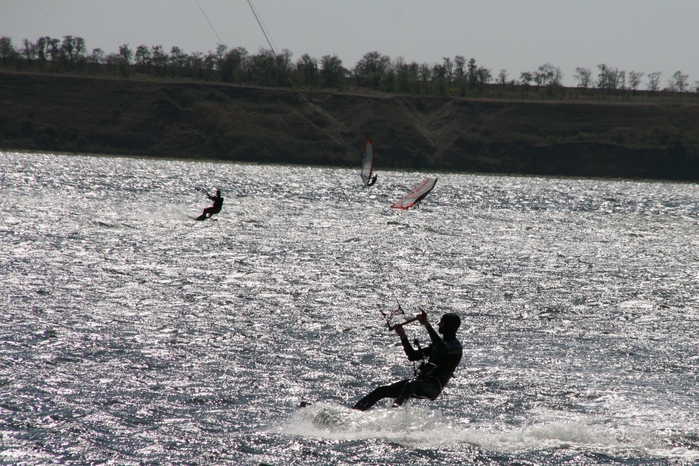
column 372, row 180
column 215, row 208
column 443, row 356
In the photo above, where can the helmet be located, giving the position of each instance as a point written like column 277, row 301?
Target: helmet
column 450, row 323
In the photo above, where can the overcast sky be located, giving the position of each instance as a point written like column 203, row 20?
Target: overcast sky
column 515, row 35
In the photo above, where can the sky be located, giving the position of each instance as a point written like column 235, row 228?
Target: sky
column 514, row 35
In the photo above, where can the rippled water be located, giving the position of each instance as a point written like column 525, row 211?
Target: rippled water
column 131, row 334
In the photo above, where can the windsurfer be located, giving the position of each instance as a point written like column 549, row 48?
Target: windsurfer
column 368, row 163
column 215, row 208
column 443, row 356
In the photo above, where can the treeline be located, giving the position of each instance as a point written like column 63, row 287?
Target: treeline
column 375, row 72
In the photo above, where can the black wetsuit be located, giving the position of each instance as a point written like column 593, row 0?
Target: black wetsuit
column 214, row 209
column 443, row 358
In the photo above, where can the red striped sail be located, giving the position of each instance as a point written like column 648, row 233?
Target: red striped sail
column 416, row 194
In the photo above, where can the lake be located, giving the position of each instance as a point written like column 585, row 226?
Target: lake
column 132, row 334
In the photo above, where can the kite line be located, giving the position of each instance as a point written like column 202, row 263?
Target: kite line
column 388, row 316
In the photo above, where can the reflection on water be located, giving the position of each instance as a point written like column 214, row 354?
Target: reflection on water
column 132, row 334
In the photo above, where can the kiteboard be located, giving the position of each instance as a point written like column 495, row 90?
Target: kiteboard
column 328, row 415
column 201, row 219
column 334, row 418
column 416, row 194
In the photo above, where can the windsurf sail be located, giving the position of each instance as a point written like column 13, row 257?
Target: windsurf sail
column 368, row 163
column 416, row 194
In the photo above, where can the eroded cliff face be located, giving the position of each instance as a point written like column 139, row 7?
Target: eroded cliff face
column 236, row 123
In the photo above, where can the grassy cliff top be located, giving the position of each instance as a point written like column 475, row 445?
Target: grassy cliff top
column 642, row 138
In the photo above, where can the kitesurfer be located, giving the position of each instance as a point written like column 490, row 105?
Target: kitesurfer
column 215, row 208
column 444, row 355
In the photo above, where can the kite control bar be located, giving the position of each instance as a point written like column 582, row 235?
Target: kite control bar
column 422, row 313
column 413, row 319
column 390, row 316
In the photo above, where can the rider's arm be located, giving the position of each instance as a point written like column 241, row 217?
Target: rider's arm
column 434, row 336
column 412, row 353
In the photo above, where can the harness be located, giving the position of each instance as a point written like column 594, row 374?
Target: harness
column 425, row 369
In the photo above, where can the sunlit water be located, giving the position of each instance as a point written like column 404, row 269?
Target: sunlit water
column 131, row 334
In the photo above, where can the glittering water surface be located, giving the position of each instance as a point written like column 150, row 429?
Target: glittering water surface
column 131, row 334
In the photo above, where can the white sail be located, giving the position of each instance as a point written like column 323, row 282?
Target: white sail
column 367, row 162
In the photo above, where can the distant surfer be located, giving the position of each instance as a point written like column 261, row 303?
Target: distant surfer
column 215, row 208
column 443, row 356
column 368, row 163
